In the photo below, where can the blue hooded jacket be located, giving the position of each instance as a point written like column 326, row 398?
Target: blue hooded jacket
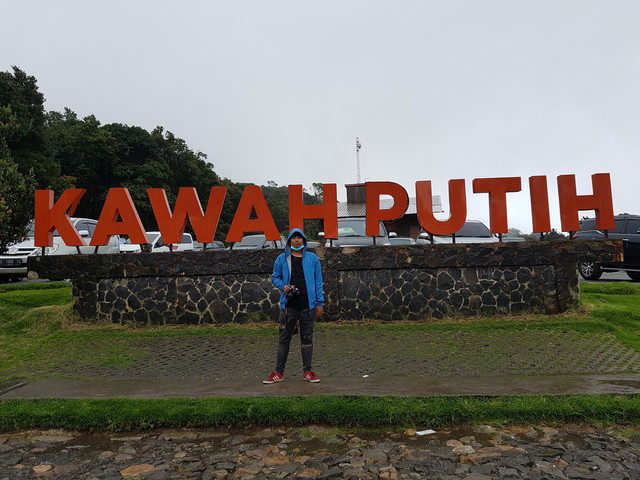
column 312, row 272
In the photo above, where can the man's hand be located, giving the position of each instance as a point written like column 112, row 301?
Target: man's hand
column 286, row 288
column 319, row 310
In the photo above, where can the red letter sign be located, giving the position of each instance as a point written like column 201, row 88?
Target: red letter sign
column 571, row 203
column 252, row 199
column 328, row 210
column 119, row 205
column 50, row 216
column 457, row 207
column 374, row 213
column 539, row 204
column 497, row 189
column 187, row 205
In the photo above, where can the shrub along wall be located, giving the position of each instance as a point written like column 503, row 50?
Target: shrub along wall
column 386, row 283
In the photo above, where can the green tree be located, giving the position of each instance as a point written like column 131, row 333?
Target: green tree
column 316, row 191
column 85, row 155
column 555, row 236
column 16, row 200
column 183, row 167
column 65, row 152
column 19, row 92
column 552, row 236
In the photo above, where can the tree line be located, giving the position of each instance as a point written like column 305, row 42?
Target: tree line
column 42, row 149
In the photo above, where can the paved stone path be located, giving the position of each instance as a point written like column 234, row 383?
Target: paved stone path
column 480, row 453
column 339, row 352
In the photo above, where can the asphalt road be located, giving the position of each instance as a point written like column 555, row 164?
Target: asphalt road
column 608, row 277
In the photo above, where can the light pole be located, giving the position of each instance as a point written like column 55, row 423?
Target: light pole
column 358, row 147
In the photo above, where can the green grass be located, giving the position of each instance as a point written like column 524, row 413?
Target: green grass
column 38, row 317
column 364, row 412
column 616, row 305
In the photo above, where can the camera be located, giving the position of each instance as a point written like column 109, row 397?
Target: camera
column 294, row 292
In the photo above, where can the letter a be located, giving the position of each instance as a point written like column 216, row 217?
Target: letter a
column 119, row 205
column 252, row 199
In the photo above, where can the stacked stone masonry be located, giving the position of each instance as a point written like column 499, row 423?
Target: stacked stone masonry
column 384, row 283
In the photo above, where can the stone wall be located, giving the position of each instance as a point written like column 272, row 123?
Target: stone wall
column 385, row 283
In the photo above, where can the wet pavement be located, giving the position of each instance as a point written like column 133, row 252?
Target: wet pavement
column 343, row 386
column 348, row 361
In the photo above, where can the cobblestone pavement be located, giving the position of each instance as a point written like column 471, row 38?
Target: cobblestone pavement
column 481, row 453
column 342, row 352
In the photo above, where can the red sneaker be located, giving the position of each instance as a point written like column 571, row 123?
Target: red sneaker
column 310, row 377
column 274, row 377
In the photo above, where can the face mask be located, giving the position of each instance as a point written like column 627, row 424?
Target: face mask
column 297, row 249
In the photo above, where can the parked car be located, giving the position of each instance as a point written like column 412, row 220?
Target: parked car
column 627, row 229
column 512, row 238
column 215, row 245
column 401, row 241
column 13, row 262
column 352, row 232
column 158, row 245
column 258, row 242
column 473, row 231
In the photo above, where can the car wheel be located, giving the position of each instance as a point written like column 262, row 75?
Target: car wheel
column 635, row 276
column 590, row 270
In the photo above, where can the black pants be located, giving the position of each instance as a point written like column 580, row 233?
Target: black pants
column 289, row 318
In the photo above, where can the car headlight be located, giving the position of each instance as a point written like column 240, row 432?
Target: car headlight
column 47, row 250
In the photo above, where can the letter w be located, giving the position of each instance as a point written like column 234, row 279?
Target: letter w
column 187, row 206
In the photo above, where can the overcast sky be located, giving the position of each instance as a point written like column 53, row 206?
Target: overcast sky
column 279, row 90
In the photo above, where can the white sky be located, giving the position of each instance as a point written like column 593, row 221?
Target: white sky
column 278, row 90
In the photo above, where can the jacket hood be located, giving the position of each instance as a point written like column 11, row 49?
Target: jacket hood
column 288, row 245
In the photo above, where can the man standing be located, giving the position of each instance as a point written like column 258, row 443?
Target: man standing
column 298, row 275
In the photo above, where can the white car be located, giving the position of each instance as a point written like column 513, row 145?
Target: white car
column 158, row 245
column 13, row 262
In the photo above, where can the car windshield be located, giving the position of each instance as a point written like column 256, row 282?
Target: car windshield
column 353, row 228
column 473, row 230
column 151, row 236
column 252, row 240
column 400, row 241
column 32, row 231
column 590, row 224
